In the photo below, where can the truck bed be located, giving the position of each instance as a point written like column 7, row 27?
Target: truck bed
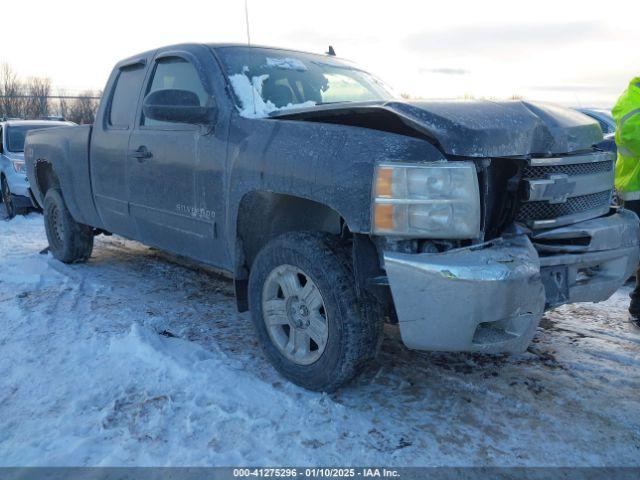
column 67, row 150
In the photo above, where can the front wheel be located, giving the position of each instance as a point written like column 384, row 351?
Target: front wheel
column 69, row 241
column 308, row 318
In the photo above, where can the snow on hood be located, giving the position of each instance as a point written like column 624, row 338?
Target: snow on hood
column 478, row 128
column 249, row 94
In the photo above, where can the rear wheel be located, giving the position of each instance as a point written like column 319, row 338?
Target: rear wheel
column 69, row 241
column 309, row 321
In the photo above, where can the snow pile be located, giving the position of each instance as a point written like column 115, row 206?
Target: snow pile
column 249, row 93
column 131, row 359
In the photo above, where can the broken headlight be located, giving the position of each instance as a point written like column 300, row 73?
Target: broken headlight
column 427, row 200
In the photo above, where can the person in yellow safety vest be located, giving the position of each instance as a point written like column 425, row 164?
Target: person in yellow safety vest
column 627, row 116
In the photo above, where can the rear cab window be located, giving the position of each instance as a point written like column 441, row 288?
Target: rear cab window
column 124, row 100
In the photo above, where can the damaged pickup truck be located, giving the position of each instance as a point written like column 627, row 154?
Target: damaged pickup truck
column 335, row 207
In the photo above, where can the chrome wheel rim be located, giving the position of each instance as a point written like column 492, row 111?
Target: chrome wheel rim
column 294, row 314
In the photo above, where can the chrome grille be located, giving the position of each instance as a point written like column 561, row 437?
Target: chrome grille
column 543, row 171
column 564, row 190
column 532, row 211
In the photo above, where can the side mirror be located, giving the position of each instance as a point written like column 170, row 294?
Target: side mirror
column 179, row 106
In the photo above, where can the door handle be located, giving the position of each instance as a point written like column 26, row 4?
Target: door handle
column 142, row 153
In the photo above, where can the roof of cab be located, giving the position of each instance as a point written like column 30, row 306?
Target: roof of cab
column 138, row 58
column 270, row 47
column 214, row 46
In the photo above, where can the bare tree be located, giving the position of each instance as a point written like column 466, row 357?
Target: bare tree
column 11, row 89
column 38, row 90
column 63, row 104
column 33, row 99
column 82, row 109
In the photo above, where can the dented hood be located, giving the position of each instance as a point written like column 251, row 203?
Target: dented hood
column 477, row 128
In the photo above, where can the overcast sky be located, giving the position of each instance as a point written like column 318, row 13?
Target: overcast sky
column 572, row 52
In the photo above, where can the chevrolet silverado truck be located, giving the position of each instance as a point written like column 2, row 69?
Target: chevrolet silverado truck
column 335, row 207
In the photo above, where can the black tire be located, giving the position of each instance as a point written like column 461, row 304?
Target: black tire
column 9, row 206
column 69, row 241
column 354, row 326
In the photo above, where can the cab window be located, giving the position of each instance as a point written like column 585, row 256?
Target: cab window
column 125, row 96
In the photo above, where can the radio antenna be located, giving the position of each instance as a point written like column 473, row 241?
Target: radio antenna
column 246, row 17
column 253, row 88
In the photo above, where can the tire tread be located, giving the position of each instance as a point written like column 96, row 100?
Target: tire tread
column 78, row 242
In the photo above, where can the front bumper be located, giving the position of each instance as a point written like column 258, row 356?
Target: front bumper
column 490, row 298
column 18, row 184
column 23, row 198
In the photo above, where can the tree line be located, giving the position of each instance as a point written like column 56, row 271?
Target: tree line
column 34, row 98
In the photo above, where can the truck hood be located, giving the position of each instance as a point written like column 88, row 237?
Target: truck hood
column 477, row 128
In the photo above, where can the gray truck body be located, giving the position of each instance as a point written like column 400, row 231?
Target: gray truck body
column 217, row 193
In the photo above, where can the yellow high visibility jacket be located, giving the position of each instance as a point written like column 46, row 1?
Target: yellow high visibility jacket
column 627, row 116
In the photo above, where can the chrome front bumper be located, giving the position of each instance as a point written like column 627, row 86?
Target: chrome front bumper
column 490, row 298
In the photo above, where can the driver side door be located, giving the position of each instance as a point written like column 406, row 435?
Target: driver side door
column 163, row 163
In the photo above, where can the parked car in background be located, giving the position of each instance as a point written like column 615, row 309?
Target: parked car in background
column 14, row 184
column 603, row 117
column 607, row 124
column 54, row 118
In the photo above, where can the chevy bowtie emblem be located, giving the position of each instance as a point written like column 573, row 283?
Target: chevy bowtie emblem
column 559, row 189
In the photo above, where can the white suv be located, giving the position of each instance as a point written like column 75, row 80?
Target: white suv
column 13, row 177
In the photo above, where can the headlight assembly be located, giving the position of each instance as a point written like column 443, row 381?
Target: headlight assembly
column 18, row 166
column 427, row 200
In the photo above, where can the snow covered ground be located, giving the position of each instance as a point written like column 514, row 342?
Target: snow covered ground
column 132, row 359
